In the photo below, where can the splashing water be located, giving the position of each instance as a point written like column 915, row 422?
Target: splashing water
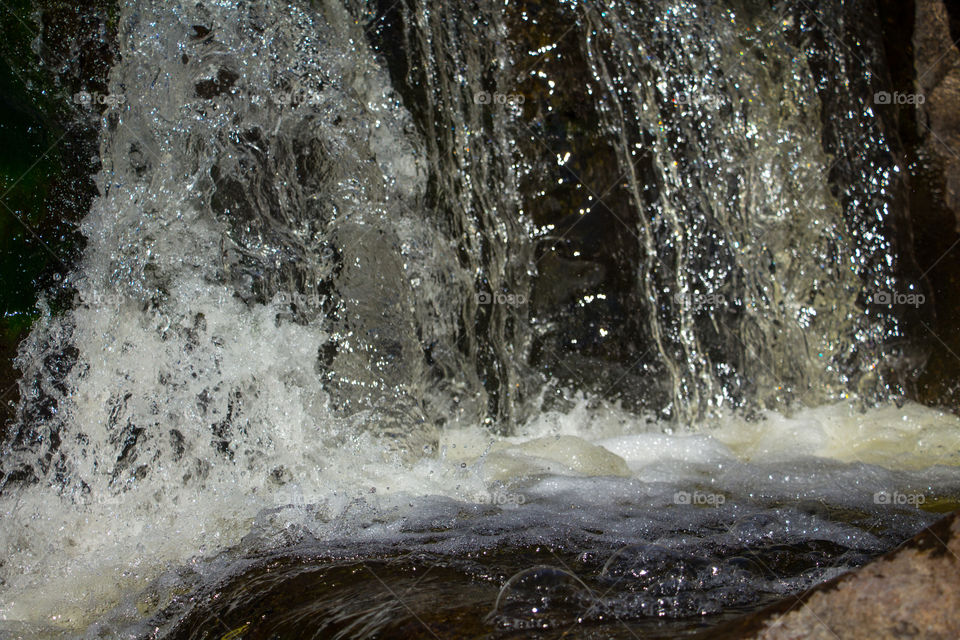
column 358, row 281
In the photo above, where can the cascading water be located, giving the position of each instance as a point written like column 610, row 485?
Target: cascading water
column 372, row 280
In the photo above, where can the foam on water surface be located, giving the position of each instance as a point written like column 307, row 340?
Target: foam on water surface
column 69, row 561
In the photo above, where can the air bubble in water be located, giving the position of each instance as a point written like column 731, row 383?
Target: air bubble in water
column 541, row 596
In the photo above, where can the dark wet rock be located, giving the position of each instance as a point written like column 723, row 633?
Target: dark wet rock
column 912, row 592
column 924, row 63
column 56, row 58
column 937, row 64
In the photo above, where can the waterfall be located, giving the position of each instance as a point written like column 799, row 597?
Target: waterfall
column 333, row 238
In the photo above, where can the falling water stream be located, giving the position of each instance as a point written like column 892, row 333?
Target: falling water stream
column 486, row 319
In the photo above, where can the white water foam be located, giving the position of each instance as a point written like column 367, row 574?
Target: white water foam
column 69, row 562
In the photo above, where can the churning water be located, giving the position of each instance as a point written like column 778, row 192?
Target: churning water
column 565, row 310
